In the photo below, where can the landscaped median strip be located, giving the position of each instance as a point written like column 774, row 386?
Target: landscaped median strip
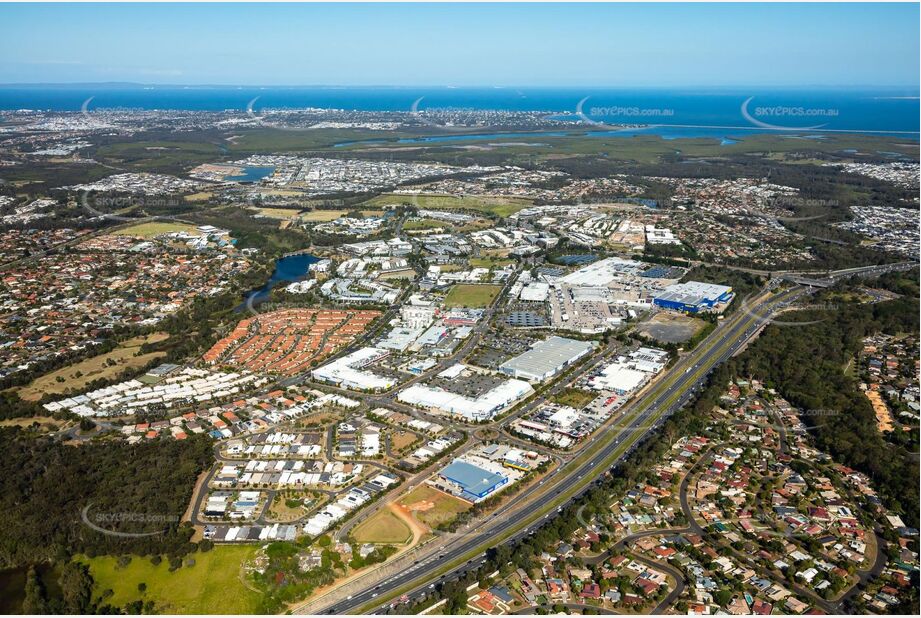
column 703, row 352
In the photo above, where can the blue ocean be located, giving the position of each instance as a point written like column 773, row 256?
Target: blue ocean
column 669, row 113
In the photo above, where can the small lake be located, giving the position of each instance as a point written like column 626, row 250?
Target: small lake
column 251, row 174
column 287, row 270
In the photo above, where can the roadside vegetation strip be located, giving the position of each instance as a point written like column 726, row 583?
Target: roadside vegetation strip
column 744, row 319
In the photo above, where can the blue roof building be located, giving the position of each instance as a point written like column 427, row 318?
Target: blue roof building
column 693, row 296
column 474, row 482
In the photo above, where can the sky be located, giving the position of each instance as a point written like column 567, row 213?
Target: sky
column 546, row 45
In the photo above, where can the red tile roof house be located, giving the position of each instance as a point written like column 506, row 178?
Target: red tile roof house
column 649, row 588
column 762, row 608
column 818, row 512
column 590, row 591
column 608, row 573
column 664, row 552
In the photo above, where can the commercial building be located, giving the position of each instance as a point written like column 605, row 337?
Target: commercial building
column 660, row 236
column 546, row 358
column 693, row 296
column 525, row 319
column 484, row 407
column 469, row 481
column 603, row 272
column 349, row 372
column 536, row 291
column 619, row 378
column 626, row 374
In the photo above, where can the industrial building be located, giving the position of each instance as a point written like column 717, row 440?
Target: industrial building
column 546, row 359
column 349, row 372
column 525, row 319
column 484, row 407
column 628, row 373
column 470, row 482
column 536, row 291
column 603, row 272
column 693, row 296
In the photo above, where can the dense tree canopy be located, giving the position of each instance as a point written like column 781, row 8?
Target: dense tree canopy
column 48, row 490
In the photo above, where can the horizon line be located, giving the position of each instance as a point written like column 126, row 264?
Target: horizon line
column 452, row 86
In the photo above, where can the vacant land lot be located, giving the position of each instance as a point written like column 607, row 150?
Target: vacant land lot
column 156, row 228
column 287, row 508
column 432, row 507
column 670, row 327
column 383, row 527
column 487, row 262
column 46, row 422
column 500, row 206
column 104, row 366
column 278, row 213
column 321, row 216
column 467, row 295
column 400, row 440
column 202, row 196
column 424, row 224
column 211, row 586
column 574, row 398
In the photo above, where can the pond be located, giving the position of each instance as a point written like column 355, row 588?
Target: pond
column 287, row 270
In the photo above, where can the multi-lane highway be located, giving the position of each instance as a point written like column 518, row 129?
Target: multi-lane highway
column 448, row 557
column 458, row 553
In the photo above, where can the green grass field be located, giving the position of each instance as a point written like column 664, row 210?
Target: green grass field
column 499, row 206
column 432, row 507
column 102, row 367
column 155, row 228
column 212, row 586
column 424, row 224
column 487, row 262
column 384, row 528
column 471, row 295
column 574, row 398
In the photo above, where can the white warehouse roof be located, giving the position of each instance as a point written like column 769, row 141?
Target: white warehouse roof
column 484, row 407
